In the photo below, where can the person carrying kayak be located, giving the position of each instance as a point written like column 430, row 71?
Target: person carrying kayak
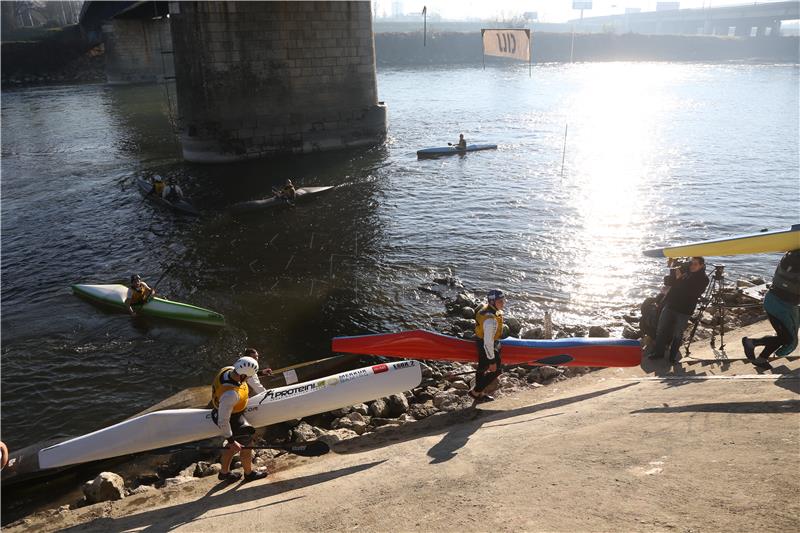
column 287, row 193
column 139, row 293
column 782, row 304
column 461, row 144
column 252, row 352
column 229, row 394
column 489, row 317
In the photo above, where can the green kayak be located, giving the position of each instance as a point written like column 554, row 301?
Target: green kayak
column 115, row 295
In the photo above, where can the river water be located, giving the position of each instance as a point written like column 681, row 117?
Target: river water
column 655, row 154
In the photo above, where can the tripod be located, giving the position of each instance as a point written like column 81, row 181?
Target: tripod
column 712, row 297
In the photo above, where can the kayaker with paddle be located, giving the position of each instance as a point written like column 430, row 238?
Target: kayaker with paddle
column 287, row 193
column 158, row 185
column 139, row 293
column 488, row 331
column 461, row 144
column 229, row 394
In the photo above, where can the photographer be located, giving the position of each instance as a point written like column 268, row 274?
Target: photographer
column 686, row 284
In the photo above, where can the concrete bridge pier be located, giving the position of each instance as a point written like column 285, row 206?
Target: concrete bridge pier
column 134, row 49
column 255, row 79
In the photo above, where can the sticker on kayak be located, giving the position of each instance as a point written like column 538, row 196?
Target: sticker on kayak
column 377, row 369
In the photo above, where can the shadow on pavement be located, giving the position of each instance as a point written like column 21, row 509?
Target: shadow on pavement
column 458, row 426
column 168, row 518
column 786, row 406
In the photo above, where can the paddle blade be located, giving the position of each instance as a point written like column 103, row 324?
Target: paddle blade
column 553, row 360
column 309, row 449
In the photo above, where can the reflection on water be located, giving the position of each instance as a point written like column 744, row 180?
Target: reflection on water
column 655, row 154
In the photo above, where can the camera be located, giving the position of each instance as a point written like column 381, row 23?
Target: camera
column 681, row 264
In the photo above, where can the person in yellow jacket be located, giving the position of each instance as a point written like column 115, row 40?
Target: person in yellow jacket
column 229, row 394
column 489, row 328
column 139, row 293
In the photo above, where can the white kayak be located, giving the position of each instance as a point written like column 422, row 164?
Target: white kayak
column 115, row 295
column 177, row 426
column 272, row 201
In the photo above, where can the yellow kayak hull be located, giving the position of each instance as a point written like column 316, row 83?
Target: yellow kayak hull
column 755, row 243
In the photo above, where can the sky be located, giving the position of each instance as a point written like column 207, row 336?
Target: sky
column 548, row 10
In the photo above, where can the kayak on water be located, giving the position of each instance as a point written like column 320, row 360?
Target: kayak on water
column 754, row 243
column 170, row 427
column 421, row 344
column 452, row 150
column 272, row 201
column 115, row 295
column 181, row 205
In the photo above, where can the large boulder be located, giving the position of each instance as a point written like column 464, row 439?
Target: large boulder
column 514, row 326
column 107, row 486
column 397, row 404
column 354, row 422
column 421, row 410
column 630, row 333
column 533, row 333
column 304, row 432
column 337, row 435
column 598, row 331
column 379, row 407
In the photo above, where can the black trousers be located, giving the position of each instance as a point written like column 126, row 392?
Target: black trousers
column 483, row 378
column 772, row 343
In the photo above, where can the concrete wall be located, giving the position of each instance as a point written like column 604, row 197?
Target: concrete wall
column 134, row 50
column 255, row 79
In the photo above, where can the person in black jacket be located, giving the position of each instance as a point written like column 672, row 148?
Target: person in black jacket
column 782, row 304
column 685, row 288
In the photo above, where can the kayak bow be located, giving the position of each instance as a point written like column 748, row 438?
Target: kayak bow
column 753, row 243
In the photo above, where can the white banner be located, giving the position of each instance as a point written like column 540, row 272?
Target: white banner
column 511, row 43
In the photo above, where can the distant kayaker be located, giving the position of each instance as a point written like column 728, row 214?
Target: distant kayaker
column 172, row 193
column 252, row 352
column 462, row 143
column 488, row 331
column 158, row 185
column 782, row 304
column 287, row 193
column 229, row 394
column 139, row 293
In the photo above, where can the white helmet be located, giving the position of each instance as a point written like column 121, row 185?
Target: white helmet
column 246, row 366
column 157, row 178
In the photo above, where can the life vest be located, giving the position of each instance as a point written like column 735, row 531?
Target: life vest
column 485, row 312
column 158, row 187
column 139, row 296
column 786, row 281
column 223, row 383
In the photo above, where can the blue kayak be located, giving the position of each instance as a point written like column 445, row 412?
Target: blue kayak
column 452, row 150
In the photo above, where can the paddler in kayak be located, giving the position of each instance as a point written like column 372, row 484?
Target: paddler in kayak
column 461, row 144
column 229, row 394
column 158, row 185
column 488, row 331
column 287, row 193
column 139, row 293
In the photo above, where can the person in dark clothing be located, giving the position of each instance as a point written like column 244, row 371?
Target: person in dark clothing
column 782, row 304
column 685, row 288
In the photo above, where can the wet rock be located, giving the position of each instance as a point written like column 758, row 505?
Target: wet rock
column 211, row 469
column 743, row 284
column 188, row 471
column 467, row 313
column 397, row 404
column 464, row 324
column 464, row 300
column 361, row 408
column 424, row 394
column 422, row 410
column 514, row 326
column 460, row 384
column 107, row 486
column 354, row 422
column 548, row 372
column 179, row 480
column 304, row 432
column 598, row 331
column 630, row 333
column 379, row 407
column 533, row 333
column 339, row 413
column 631, row 318
column 337, row 435
column 426, row 372
column 757, row 280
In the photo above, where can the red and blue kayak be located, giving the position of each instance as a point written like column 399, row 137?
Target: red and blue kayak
column 421, row 344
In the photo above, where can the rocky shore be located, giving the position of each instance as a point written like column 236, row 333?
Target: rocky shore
column 443, row 390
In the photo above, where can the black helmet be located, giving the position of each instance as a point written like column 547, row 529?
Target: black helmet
column 495, row 294
column 135, row 278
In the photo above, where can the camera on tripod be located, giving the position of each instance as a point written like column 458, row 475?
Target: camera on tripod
column 680, row 264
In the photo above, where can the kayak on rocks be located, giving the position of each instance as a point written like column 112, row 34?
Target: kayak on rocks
column 170, row 427
column 114, row 295
column 421, row 344
column 452, row 150
column 273, row 201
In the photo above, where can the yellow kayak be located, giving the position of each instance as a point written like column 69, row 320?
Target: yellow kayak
column 754, row 243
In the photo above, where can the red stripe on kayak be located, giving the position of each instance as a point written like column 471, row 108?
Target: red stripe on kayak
column 421, row 344
column 377, row 369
